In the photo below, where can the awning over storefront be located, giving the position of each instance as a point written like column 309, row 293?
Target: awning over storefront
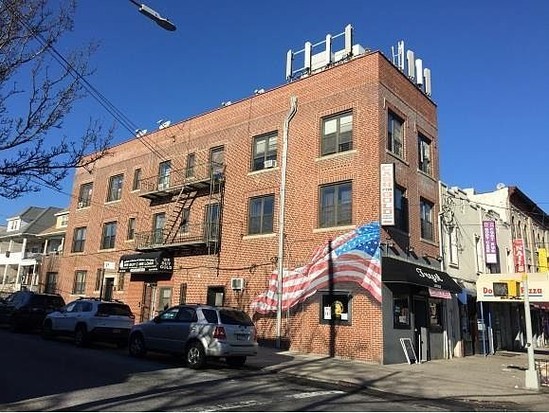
column 158, row 262
column 538, row 287
column 397, row 271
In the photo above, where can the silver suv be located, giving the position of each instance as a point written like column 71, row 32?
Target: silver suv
column 88, row 319
column 197, row 332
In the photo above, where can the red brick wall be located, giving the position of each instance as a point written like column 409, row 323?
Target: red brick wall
column 367, row 86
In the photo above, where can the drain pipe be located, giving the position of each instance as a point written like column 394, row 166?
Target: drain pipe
column 281, row 217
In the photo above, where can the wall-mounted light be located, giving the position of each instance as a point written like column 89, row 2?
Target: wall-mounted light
column 410, row 248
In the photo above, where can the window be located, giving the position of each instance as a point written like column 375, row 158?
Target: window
column 79, row 285
column 479, row 256
column 115, row 188
column 159, row 221
column 136, row 184
column 401, row 312
column 63, row 221
column 164, row 170
column 401, row 209
column 131, row 229
column 108, row 236
column 212, row 222
column 395, row 134
column 215, row 296
column 217, row 161
column 260, row 218
column 335, row 205
column 424, row 154
column 98, row 279
column 426, row 216
column 337, row 134
column 165, row 298
column 435, row 315
column 85, row 195
column 184, row 225
column 189, row 169
column 51, row 283
column 335, row 308
column 264, row 152
column 79, row 239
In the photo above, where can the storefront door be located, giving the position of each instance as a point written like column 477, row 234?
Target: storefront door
column 421, row 327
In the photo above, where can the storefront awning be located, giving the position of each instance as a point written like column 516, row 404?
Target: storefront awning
column 538, row 287
column 397, row 271
column 158, row 262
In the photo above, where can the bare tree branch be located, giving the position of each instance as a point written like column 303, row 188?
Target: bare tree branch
column 34, row 151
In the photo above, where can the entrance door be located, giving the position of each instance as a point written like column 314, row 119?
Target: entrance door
column 146, row 301
column 421, row 326
column 109, row 287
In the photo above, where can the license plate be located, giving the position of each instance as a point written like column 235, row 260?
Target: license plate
column 242, row 337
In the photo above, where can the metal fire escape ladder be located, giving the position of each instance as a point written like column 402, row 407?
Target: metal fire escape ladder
column 213, row 224
column 184, row 199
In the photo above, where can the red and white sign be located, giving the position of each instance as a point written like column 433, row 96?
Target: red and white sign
column 519, row 255
column 437, row 293
column 387, row 188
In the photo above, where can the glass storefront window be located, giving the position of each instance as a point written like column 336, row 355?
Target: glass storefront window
column 435, row 314
column 401, row 311
column 336, row 308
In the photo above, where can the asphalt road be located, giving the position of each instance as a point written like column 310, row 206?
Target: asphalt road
column 39, row 375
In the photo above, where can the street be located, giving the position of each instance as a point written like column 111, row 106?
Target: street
column 40, row 375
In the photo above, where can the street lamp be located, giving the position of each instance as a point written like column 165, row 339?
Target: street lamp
column 155, row 16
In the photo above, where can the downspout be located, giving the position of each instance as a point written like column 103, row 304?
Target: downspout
column 281, row 217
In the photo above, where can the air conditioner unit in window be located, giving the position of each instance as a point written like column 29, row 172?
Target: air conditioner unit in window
column 237, row 284
column 271, row 163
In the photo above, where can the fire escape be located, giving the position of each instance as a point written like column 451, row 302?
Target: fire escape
column 178, row 190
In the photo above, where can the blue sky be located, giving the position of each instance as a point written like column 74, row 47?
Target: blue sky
column 489, row 61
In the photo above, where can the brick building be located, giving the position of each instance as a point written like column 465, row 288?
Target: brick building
column 188, row 213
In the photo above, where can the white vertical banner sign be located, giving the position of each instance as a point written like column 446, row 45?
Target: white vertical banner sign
column 387, row 196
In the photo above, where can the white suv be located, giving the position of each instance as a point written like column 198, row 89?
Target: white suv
column 88, row 319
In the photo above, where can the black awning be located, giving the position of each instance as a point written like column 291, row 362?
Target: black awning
column 397, row 271
column 158, row 262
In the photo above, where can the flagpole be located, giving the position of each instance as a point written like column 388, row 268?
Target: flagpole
column 281, row 218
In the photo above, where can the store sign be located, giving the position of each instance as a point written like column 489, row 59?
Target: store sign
column 542, row 260
column 146, row 263
column 490, row 244
column 436, row 293
column 519, row 255
column 538, row 287
column 387, row 196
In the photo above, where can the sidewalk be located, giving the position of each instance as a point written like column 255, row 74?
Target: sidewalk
column 497, row 379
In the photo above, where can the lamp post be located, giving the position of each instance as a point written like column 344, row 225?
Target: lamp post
column 155, row 16
column 532, row 377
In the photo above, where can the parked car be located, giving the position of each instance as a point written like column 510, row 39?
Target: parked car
column 197, row 332
column 26, row 310
column 91, row 319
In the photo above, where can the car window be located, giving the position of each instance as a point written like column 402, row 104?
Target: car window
column 230, row 316
column 210, row 315
column 55, row 302
column 86, row 307
column 70, row 307
column 169, row 314
column 114, row 309
column 187, row 314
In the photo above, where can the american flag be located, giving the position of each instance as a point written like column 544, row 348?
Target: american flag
column 355, row 257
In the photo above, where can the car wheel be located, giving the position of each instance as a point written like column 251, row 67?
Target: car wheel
column 136, row 346
column 47, row 330
column 195, row 356
column 236, row 361
column 81, row 336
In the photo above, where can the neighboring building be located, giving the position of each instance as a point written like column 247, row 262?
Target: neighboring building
column 529, row 230
column 21, row 248
column 192, row 212
column 53, row 241
column 468, row 250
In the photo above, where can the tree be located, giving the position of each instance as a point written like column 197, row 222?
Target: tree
column 38, row 89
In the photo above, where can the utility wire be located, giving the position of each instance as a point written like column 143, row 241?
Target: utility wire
column 96, row 94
